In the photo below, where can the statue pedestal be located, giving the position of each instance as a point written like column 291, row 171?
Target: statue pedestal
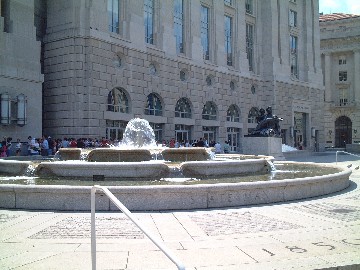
column 268, row 146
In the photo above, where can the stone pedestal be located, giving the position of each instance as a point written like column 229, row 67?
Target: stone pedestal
column 119, row 155
column 185, row 154
column 70, row 153
column 268, row 146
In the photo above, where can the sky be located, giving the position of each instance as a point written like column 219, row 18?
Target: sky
column 339, row 6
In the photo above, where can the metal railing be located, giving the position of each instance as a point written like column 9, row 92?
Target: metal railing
column 122, row 207
column 345, row 153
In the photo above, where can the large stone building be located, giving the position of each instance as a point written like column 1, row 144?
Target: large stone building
column 199, row 68
column 340, row 54
column 20, row 71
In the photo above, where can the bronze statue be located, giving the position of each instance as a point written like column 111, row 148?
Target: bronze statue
column 268, row 125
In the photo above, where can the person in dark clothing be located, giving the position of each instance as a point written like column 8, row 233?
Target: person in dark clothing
column 200, row 143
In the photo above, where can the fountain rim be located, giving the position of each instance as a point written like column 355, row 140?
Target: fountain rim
column 342, row 172
column 177, row 197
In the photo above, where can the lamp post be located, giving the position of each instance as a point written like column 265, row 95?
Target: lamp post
column 21, row 110
column 5, row 109
column 313, row 132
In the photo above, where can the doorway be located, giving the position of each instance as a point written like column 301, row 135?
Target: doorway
column 300, row 130
column 233, row 138
column 115, row 130
column 209, row 134
column 343, row 132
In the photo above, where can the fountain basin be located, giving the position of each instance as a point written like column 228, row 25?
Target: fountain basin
column 146, row 169
column 150, row 169
column 121, row 164
column 173, row 197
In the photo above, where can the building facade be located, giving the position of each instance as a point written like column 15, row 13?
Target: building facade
column 21, row 77
column 340, row 56
column 199, row 68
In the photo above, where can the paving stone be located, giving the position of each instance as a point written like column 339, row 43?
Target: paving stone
column 80, row 227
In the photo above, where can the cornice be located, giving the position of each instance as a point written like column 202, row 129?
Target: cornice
column 341, row 44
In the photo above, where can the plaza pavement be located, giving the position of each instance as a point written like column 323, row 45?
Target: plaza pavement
column 318, row 233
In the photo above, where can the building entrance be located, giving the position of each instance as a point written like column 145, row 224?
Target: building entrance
column 233, row 138
column 182, row 133
column 115, row 130
column 158, row 131
column 343, row 131
column 300, row 130
column 209, row 134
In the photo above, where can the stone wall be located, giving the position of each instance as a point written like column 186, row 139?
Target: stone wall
column 20, row 70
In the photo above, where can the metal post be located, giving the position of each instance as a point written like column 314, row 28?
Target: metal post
column 122, row 207
column 93, row 229
column 161, row 246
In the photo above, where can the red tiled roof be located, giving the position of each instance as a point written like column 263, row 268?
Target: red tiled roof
column 336, row 16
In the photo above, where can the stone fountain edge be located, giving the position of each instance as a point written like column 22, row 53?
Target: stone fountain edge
column 181, row 197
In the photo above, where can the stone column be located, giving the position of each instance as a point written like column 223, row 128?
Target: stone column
column 356, row 86
column 167, row 25
column 1, row 21
column 327, row 71
column 196, row 48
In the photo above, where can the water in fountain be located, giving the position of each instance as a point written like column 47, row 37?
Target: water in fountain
column 139, row 134
column 30, row 171
column 271, row 165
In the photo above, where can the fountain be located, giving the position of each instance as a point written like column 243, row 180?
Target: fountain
column 135, row 161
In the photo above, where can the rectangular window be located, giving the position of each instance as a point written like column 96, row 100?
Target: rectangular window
column 343, row 97
column 5, row 13
column 250, row 45
column 228, row 40
column 113, row 15
column 292, row 18
column 249, row 6
column 149, row 21
column 205, row 32
column 342, row 61
column 293, row 56
column 179, row 25
column 342, row 76
column 158, row 131
column 228, row 2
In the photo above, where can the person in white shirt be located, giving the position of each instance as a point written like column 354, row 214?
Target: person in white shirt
column 18, row 147
column 217, row 148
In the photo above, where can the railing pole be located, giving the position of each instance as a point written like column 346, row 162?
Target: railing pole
column 161, row 246
column 344, row 153
column 123, row 208
column 93, row 229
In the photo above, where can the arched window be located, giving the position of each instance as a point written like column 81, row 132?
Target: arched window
column 209, row 111
column 233, row 114
column 182, row 108
column 153, row 105
column 253, row 113
column 118, row 100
